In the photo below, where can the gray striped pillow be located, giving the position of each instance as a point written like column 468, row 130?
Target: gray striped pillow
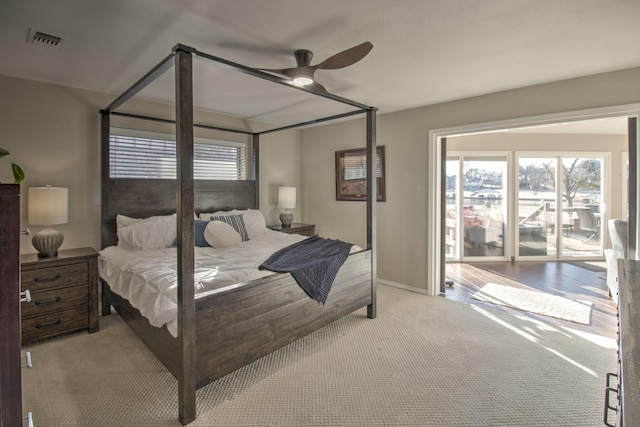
column 235, row 221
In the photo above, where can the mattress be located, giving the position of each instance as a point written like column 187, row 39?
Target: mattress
column 148, row 278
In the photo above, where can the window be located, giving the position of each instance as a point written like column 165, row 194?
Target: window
column 150, row 155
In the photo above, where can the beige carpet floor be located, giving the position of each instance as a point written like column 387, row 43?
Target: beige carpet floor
column 425, row 361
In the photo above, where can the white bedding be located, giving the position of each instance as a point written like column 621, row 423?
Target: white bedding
column 148, row 278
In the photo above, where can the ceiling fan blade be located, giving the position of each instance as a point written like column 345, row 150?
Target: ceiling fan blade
column 346, row 57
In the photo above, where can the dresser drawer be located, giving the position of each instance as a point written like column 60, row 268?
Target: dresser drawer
column 35, row 328
column 55, row 276
column 43, row 302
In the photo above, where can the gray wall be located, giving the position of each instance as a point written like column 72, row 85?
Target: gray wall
column 402, row 221
column 52, row 132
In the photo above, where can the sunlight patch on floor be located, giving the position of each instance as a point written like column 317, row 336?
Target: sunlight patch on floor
column 533, row 339
column 603, row 342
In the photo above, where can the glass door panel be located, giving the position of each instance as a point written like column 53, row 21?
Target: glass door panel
column 484, row 206
column 536, row 207
column 581, row 207
column 452, row 231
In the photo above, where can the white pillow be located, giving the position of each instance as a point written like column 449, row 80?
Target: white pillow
column 156, row 232
column 123, row 221
column 221, row 235
column 254, row 222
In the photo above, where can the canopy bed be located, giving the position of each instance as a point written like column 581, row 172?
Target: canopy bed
column 226, row 327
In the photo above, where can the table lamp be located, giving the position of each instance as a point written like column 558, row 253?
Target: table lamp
column 47, row 206
column 286, row 201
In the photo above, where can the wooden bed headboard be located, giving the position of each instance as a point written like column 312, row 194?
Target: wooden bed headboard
column 141, row 198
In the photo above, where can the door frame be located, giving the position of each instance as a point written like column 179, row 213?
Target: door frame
column 435, row 264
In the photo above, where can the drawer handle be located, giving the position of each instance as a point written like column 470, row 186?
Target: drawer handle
column 25, row 296
column 29, row 419
column 27, row 358
column 49, row 302
column 53, row 279
column 609, row 375
column 48, row 325
column 607, row 405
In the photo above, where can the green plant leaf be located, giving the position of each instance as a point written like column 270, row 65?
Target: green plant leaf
column 18, row 173
column 3, row 152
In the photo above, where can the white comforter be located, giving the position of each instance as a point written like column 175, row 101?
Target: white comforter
column 148, row 279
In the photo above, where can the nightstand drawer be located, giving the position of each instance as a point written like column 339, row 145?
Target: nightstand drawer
column 305, row 231
column 35, row 328
column 56, row 276
column 43, row 302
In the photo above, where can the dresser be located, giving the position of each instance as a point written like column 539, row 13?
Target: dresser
column 622, row 396
column 64, row 293
column 10, row 353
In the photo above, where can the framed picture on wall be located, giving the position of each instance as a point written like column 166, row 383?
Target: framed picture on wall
column 351, row 174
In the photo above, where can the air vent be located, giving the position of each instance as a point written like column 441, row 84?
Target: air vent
column 42, row 39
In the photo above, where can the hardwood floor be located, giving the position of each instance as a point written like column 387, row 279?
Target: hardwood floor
column 574, row 280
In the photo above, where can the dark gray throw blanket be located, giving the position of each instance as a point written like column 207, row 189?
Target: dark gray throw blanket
column 313, row 262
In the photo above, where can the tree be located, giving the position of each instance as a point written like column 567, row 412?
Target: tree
column 577, row 175
column 535, row 177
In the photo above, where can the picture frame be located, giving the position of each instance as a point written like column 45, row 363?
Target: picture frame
column 351, row 172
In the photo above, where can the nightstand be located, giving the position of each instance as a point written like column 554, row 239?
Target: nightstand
column 64, row 293
column 295, row 228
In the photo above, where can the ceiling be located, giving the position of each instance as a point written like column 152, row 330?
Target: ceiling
column 425, row 52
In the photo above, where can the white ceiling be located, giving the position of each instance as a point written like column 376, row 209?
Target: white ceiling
column 425, row 51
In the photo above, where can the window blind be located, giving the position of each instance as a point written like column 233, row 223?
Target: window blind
column 155, row 157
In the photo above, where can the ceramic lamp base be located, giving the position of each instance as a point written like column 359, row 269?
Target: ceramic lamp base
column 47, row 242
column 286, row 218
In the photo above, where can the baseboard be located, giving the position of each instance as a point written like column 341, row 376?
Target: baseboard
column 402, row 286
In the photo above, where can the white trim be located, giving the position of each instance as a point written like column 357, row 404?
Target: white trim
column 624, row 177
column 402, row 286
column 434, row 239
column 434, row 183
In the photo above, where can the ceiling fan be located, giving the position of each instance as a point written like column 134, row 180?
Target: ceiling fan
column 302, row 75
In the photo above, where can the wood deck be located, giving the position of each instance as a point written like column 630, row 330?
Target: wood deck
column 574, row 280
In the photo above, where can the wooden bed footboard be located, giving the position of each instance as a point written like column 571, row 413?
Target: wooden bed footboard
column 241, row 323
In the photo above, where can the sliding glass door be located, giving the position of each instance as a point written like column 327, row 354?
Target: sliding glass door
column 554, row 211
column 559, row 206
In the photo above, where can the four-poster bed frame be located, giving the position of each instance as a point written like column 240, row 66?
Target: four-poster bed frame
column 225, row 329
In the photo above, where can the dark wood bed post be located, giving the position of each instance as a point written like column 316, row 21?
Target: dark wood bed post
column 371, row 208
column 185, row 210
column 255, row 167
column 105, row 132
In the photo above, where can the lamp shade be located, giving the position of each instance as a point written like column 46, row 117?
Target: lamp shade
column 47, row 205
column 287, row 197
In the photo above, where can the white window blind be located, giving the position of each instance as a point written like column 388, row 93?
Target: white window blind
column 144, row 155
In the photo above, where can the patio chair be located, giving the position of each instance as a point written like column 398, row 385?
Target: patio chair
column 588, row 222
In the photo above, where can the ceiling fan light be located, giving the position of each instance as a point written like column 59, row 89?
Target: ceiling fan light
column 302, row 80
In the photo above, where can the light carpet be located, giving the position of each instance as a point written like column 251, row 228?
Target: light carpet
column 424, row 361
column 536, row 302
